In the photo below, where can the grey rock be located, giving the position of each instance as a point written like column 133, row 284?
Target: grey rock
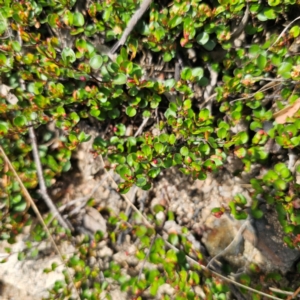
column 270, row 243
column 93, row 221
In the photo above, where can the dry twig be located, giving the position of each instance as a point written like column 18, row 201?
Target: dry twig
column 196, row 263
column 236, row 239
column 134, row 19
column 43, row 189
column 146, row 257
column 282, row 33
column 294, row 295
column 263, row 89
column 36, row 210
column 281, row 291
column 140, row 129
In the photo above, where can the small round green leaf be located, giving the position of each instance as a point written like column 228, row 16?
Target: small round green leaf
column 16, row 46
column 261, row 61
column 202, row 38
column 78, row 19
column 295, row 31
column 167, row 56
column 274, row 2
column 147, row 150
column 197, row 73
column 20, row 121
column 173, row 238
column 68, row 18
column 204, row 149
column 172, row 139
column 257, row 213
column 20, row 206
column 254, row 50
column 3, row 128
column 124, row 172
column 96, row 61
column 210, row 45
column 120, row 79
column 186, row 74
column 131, row 141
column 242, row 138
column 270, row 13
column 141, row 181
column 68, row 55
column 284, row 70
column 175, row 21
column 184, row 151
column 280, row 184
column 240, row 153
column 130, row 111
column 159, row 148
column 222, row 132
column 154, row 172
column 163, row 137
column 120, row 129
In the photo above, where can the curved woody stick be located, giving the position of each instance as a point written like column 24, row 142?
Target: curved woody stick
column 134, row 19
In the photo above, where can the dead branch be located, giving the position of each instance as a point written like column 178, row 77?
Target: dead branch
column 134, row 19
column 37, row 212
column 43, row 189
column 140, row 129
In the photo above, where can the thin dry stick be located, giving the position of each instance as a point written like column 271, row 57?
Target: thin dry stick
column 281, row 291
column 242, row 25
column 35, row 209
column 191, row 260
column 282, row 33
column 134, row 19
column 141, row 127
column 194, row 262
column 292, row 160
column 43, row 189
column 264, row 88
column 295, row 294
column 208, row 99
column 133, row 195
column 144, row 261
column 267, row 79
column 236, row 238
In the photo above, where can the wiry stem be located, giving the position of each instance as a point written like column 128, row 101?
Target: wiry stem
column 134, row 19
column 36, row 210
column 43, row 189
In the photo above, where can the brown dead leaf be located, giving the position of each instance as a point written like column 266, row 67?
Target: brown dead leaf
column 287, row 112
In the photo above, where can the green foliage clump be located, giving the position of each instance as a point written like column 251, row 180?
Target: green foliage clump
column 55, row 69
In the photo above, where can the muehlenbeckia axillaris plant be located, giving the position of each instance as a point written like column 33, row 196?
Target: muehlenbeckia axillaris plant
column 56, row 72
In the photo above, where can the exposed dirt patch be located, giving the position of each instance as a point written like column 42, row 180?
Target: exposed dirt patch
column 190, row 201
